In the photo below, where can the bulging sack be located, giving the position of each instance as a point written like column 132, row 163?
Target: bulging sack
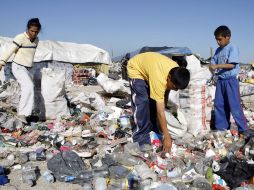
column 53, row 93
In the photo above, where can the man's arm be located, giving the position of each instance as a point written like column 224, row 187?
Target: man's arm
column 167, row 141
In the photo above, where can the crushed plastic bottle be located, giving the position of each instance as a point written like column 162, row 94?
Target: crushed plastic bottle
column 21, row 158
column 126, row 159
column 83, row 177
column 98, row 172
column 202, row 183
column 87, row 186
column 48, row 176
column 29, row 174
column 115, row 184
column 100, row 184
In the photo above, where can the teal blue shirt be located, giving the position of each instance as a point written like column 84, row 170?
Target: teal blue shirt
column 227, row 55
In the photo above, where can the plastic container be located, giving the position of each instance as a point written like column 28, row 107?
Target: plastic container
column 48, row 176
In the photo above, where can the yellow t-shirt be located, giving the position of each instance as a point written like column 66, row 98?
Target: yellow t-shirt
column 153, row 68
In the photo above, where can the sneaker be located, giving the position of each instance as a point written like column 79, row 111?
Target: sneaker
column 22, row 118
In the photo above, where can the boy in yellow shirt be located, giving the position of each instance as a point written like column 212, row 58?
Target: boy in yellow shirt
column 152, row 76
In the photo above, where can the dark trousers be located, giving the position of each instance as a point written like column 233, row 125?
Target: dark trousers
column 144, row 111
column 227, row 100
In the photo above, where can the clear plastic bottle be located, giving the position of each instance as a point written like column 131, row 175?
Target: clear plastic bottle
column 22, row 158
column 126, row 159
column 87, row 186
column 100, row 184
column 115, row 184
column 201, row 183
column 67, row 178
column 28, row 174
column 84, row 177
column 49, row 155
column 48, row 176
column 100, row 172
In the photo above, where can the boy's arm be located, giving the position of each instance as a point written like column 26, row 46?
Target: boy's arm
column 213, row 67
column 167, row 141
column 166, row 97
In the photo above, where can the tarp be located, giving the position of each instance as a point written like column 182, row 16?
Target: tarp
column 168, row 51
column 63, row 51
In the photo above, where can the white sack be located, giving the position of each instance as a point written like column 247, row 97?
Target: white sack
column 177, row 127
column 195, row 102
column 111, row 86
column 53, row 93
column 193, row 64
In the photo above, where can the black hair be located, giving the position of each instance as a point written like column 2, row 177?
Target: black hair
column 34, row 22
column 180, row 77
column 222, row 31
column 180, row 60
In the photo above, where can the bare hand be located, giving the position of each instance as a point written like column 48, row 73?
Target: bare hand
column 167, row 144
column 1, row 67
column 212, row 67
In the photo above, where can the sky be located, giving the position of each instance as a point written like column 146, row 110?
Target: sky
column 124, row 26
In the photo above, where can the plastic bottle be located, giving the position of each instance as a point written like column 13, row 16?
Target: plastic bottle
column 100, row 184
column 202, row 183
column 84, row 177
column 47, row 175
column 215, row 166
column 118, row 184
column 87, row 186
column 176, row 172
column 28, row 174
column 49, row 155
column 126, row 159
column 100, row 172
column 67, row 178
column 124, row 121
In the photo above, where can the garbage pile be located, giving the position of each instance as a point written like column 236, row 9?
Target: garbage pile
column 92, row 146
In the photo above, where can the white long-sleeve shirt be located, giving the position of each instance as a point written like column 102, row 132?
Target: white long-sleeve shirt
column 23, row 49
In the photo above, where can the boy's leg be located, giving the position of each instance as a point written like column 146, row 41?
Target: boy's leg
column 141, row 111
column 234, row 101
column 221, row 110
